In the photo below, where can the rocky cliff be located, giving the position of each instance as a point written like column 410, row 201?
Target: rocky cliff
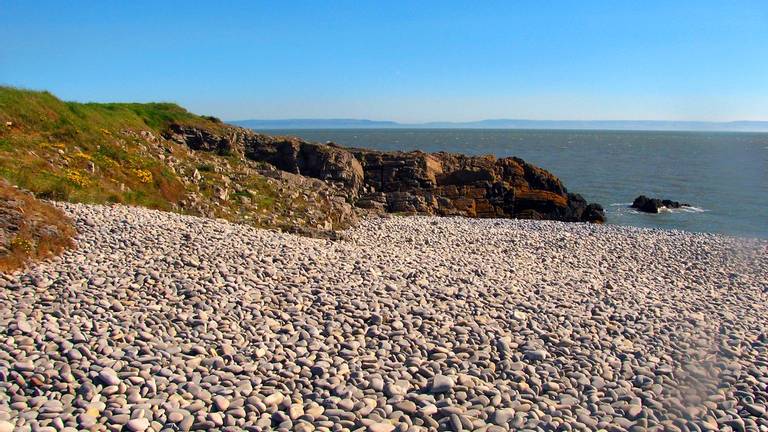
column 408, row 182
column 161, row 156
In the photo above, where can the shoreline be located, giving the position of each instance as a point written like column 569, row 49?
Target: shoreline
column 411, row 323
column 363, row 217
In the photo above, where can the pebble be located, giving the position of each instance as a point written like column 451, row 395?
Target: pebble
column 406, row 406
column 408, row 324
column 175, row 417
column 221, row 403
column 24, row 326
column 381, row 427
column 756, row 410
column 442, row 384
column 109, row 377
column 137, row 425
column 634, row 411
column 274, row 399
column 536, row 355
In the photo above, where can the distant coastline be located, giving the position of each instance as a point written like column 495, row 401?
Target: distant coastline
column 620, row 125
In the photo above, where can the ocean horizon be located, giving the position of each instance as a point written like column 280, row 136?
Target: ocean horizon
column 512, row 124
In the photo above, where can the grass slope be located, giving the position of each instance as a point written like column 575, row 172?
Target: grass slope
column 115, row 153
column 55, row 148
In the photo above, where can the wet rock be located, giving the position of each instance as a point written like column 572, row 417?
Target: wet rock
column 653, row 205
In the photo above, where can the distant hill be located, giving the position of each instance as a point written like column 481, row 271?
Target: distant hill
column 655, row 125
column 315, row 124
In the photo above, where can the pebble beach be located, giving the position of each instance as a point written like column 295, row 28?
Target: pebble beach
column 159, row 321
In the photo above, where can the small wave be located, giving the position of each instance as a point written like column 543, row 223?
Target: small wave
column 622, row 209
column 626, row 208
column 692, row 209
column 683, row 209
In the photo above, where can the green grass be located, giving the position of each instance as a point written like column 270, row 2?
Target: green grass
column 89, row 123
column 95, row 153
column 71, row 135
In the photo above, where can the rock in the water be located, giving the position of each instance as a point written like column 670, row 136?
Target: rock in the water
column 653, row 205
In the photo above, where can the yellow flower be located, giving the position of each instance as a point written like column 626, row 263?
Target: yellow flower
column 108, row 162
column 23, row 244
column 55, row 146
column 144, row 176
column 76, row 177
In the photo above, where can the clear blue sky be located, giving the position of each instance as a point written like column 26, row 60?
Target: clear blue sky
column 407, row 61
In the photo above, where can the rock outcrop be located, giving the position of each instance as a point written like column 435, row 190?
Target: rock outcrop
column 296, row 156
column 485, row 186
column 653, row 205
column 410, row 182
column 200, row 139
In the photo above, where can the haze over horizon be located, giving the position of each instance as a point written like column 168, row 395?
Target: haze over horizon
column 618, row 125
column 404, row 62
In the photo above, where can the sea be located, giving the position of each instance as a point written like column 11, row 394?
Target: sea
column 722, row 175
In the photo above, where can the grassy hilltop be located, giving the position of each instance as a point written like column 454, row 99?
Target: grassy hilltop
column 120, row 153
column 86, row 152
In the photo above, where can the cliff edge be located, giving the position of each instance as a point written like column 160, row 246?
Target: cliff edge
column 159, row 155
column 443, row 184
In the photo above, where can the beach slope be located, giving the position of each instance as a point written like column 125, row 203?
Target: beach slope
column 421, row 323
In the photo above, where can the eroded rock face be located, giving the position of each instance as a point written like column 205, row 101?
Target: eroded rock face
column 412, row 182
column 309, row 159
column 30, row 229
column 200, row 139
column 484, row 186
column 289, row 154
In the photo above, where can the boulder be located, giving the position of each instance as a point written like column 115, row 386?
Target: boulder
column 652, row 205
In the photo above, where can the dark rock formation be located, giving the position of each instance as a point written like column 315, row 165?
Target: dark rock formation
column 652, row 205
column 309, row 159
column 411, row 182
column 455, row 184
column 200, row 139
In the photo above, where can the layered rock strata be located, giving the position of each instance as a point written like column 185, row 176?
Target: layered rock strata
column 443, row 184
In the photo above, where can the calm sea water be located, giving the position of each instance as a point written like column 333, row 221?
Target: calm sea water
column 724, row 176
